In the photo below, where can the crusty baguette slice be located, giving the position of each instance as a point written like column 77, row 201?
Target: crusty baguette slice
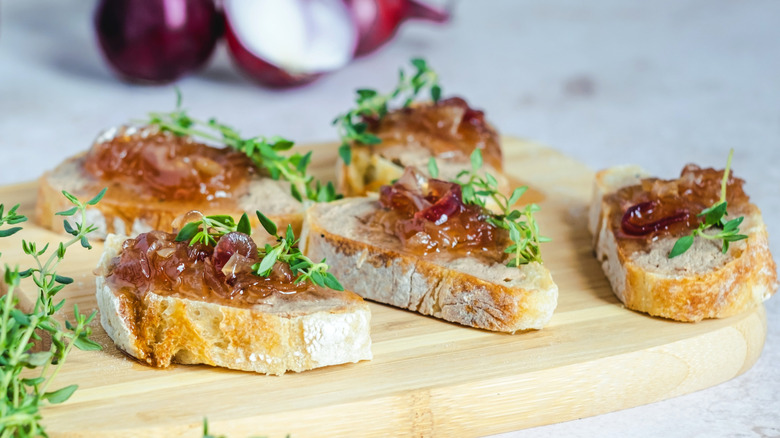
column 121, row 214
column 701, row 283
column 294, row 332
column 448, row 130
column 467, row 291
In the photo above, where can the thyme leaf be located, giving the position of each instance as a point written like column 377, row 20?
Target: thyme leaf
column 370, row 104
column 521, row 224
column 20, row 328
column 209, row 229
column 265, row 152
column 714, row 217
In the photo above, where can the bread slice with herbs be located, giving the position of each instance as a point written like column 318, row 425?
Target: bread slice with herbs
column 475, row 289
column 197, row 319
column 448, row 131
column 379, row 142
column 638, row 222
column 139, row 198
column 156, row 172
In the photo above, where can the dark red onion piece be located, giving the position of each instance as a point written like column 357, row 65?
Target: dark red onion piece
column 635, row 223
column 157, row 41
column 233, row 243
column 420, row 198
column 378, row 20
column 446, row 205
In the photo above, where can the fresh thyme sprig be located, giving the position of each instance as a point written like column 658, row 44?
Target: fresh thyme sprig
column 521, row 224
column 24, row 396
column 264, row 152
column 286, row 251
column 370, row 104
column 714, row 217
column 210, row 228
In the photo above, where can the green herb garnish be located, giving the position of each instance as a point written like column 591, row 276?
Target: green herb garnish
column 286, row 251
column 370, row 104
column 714, row 217
column 24, row 395
column 522, row 227
column 264, row 152
column 209, row 229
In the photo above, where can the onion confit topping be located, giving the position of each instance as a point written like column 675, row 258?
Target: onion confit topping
column 657, row 207
column 642, row 219
column 231, row 244
column 449, row 126
column 168, row 167
column 155, row 261
column 429, row 216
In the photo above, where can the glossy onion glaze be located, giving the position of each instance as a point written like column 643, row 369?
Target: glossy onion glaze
column 428, row 215
column 222, row 274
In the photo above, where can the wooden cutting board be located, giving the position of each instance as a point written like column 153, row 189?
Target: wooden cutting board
column 428, row 377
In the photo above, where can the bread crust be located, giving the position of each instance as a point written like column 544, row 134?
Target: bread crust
column 466, row 291
column 701, row 283
column 296, row 333
column 119, row 215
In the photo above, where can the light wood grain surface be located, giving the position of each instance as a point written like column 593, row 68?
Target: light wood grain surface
column 428, row 377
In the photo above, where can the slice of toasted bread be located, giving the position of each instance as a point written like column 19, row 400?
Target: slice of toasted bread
column 286, row 332
column 701, row 283
column 468, row 290
column 448, row 130
column 123, row 212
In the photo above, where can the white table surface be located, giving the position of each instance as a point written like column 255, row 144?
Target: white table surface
column 659, row 83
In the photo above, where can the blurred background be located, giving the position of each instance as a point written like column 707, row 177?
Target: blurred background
column 658, row 83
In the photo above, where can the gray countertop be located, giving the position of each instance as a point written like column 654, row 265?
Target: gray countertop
column 658, row 83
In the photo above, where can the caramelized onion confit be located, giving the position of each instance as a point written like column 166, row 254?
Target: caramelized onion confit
column 167, row 167
column 449, row 128
column 657, row 207
column 155, row 262
column 428, row 215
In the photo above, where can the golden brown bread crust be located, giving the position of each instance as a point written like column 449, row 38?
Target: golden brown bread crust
column 699, row 284
column 466, row 291
column 131, row 216
column 289, row 333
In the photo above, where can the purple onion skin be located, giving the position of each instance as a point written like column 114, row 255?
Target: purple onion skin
column 378, row 20
column 260, row 71
column 157, row 41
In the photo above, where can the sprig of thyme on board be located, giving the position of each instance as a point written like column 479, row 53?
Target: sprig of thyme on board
column 714, row 217
column 373, row 105
column 265, row 153
column 209, row 229
column 24, row 395
column 521, row 224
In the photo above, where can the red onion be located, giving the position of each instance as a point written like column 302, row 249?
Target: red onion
column 637, row 220
column 378, row 20
column 284, row 43
column 230, row 244
column 157, row 41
